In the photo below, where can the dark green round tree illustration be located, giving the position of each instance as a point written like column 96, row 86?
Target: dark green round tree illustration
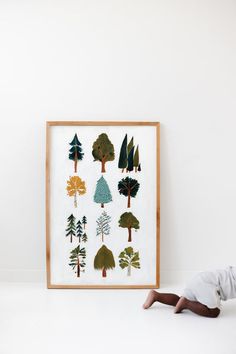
column 102, row 193
column 129, row 188
column 75, row 152
column 129, row 221
column 104, row 260
column 103, row 150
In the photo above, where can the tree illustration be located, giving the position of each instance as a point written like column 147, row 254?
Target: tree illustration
column 75, row 186
column 103, row 227
column 136, row 159
column 70, row 231
column 79, row 230
column 104, row 260
column 84, row 237
column 77, row 258
column 129, row 221
column 130, row 157
column 128, row 259
column 130, row 145
column 130, row 166
column 102, row 194
column 103, row 150
column 123, row 159
column 84, row 221
column 129, row 188
column 75, row 152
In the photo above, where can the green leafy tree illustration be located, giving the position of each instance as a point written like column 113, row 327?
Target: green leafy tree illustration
column 130, row 166
column 123, row 158
column 129, row 221
column 79, row 230
column 102, row 193
column 84, row 237
column 84, row 221
column 77, row 259
column 70, row 230
column 103, row 225
column 136, row 159
column 103, row 150
column 128, row 259
column 104, row 260
column 75, row 152
column 129, row 188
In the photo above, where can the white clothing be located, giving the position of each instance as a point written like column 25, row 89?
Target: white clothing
column 209, row 288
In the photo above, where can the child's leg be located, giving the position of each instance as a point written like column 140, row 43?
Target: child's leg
column 167, row 299
column 196, row 307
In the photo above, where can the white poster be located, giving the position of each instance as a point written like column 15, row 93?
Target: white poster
column 102, row 204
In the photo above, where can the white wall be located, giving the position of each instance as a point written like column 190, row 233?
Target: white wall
column 171, row 61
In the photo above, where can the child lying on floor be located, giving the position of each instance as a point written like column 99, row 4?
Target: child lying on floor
column 202, row 295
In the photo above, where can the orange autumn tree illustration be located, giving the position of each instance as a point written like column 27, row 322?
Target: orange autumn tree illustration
column 75, row 186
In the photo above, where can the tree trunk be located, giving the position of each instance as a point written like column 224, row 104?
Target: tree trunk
column 102, row 205
column 102, row 237
column 70, row 238
column 78, row 269
column 136, row 168
column 103, row 165
column 129, row 232
column 104, row 273
column 129, row 271
column 128, row 205
column 122, row 170
column 75, row 200
column 76, row 160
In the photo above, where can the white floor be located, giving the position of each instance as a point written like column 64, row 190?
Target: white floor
column 36, row 320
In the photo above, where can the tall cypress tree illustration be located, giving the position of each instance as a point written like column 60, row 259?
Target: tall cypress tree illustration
column 129, row 148
column 70, row 230
column 123, row 155
column 102, row 194
column 75, row 152
column 130, row 166
column 136, row 159
column 79, row 230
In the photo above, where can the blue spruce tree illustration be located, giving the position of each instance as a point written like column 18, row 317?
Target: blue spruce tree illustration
column 102, row 194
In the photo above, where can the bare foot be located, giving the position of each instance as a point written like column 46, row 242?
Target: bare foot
column 181, row 305
column 152, row 297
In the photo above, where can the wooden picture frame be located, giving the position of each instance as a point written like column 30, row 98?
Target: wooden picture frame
column 73, row 148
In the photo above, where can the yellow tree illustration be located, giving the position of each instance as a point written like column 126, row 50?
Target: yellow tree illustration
column 75, row 186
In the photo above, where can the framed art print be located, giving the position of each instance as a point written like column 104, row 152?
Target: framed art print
column 103, row 204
